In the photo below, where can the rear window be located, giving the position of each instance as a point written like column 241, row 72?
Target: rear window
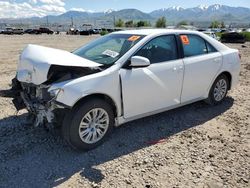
column 194, row 45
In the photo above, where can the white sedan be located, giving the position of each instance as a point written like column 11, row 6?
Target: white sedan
column 119, row 78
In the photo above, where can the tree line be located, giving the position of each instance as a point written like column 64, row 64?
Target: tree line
column 161, row 23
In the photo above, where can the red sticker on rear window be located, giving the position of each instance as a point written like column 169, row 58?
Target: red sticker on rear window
column 184, row 39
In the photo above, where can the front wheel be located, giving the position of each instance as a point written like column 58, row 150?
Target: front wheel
column 90, row 124
column 218, row 91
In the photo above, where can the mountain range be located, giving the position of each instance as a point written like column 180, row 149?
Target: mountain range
column 205, row 13
column 199, row 14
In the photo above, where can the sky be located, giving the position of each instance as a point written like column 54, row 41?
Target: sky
column 31, row 8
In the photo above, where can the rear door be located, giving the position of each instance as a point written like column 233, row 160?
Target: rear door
column 202, row 63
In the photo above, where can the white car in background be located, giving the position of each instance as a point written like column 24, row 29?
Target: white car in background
column 121, row 77
column 211, row 34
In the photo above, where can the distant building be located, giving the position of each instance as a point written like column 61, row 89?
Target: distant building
column 171, row 27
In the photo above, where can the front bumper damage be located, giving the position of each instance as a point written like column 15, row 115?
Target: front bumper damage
column 41, row 105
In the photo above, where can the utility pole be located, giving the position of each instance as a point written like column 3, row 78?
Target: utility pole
column 72, row 22
column 47, row 18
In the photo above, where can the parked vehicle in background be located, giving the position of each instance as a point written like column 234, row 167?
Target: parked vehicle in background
column 28, row 31
column 32, row 31
column 87, row 29
column 72, row 31
column 211, row 34
column 96, row 31
column 121, row 77
column 224, row 30
column 233, row 37
column 46, row 30
column 86, row 32
column 18, row 31
column 8, row 31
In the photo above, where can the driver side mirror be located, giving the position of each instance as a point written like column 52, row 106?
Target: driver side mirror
column 139, row 61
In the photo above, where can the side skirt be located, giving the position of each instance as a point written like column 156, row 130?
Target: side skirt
column 121, row 120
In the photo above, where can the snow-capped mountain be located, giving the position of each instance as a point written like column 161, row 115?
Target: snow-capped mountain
column 201, row 13
column 109, row 11
column 204, row 13
column 176, row 8
column 203, row 7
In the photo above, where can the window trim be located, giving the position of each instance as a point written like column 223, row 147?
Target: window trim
column 210, row 45
column 178, row 48
column 205, row 41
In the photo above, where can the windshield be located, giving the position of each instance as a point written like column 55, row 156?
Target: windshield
column 108, row 49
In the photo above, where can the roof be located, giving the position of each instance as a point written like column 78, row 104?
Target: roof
column 219, row 46
column 154, row 31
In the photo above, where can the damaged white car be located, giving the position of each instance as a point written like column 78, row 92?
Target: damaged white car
column 119, row 78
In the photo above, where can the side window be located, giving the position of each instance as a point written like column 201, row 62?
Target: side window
column 160, row 49
column 193, row 45
column 210, row 48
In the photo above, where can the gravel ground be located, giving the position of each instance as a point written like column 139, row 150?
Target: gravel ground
column 192, row 146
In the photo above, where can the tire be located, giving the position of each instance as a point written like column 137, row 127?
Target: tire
column 100, row 112
column 221, row 84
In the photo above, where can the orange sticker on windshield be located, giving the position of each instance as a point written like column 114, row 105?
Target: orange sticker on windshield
column 184, row 39
column 133, row 38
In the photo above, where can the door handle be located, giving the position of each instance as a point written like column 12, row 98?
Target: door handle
column 178, row 69
column 217, row 60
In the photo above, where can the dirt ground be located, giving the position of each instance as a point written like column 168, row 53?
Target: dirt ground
column 198, row 145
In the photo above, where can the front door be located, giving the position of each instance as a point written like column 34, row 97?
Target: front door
column 157, row 86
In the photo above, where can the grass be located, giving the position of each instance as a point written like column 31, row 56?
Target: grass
column 218, row 34
column 247, row 35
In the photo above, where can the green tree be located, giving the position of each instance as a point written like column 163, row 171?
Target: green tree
column 215, row 24
column 182, row 23
column 129, row 23
column 140, row 24
column 161, row 22
column 222, row 25
column 143, row 24
column 119, row 23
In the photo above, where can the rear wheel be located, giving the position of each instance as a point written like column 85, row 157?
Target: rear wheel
column 89, row 125
column 218, row 91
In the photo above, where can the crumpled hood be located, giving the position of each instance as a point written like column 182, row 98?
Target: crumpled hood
column 35, row 62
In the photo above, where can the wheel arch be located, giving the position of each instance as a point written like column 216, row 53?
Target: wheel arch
column 101, row 96
column 229, row 77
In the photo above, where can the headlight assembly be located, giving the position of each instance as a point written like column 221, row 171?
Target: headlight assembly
column 55, row 92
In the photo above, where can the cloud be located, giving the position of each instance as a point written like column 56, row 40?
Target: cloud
column 31, row 9
column 52, row 8
column 33, row 1
column 53, row 2
column 78, row 9
column 81, row 10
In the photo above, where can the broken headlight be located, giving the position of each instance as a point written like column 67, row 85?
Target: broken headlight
column 55, row 92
